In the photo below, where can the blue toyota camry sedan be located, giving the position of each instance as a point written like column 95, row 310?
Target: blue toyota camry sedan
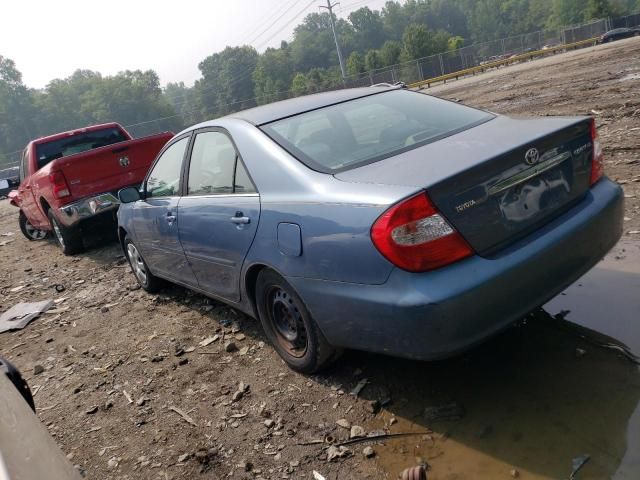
column 378, row 219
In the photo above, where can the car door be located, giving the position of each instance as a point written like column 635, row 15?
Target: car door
column 219, row 213
column 28, row 203
column 155, row 217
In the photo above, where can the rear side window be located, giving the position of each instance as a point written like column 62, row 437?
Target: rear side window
column 164, row 179
column 78, row 143
column 24, row 164
column 365, row 130
column 215, row 168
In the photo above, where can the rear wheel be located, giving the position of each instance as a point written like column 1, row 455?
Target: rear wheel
column 145, row 278
column 289, row 326
column 29, row 231
column 69, row 238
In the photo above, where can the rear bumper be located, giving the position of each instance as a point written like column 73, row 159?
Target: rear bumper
column 88, row 207
column 436, row 314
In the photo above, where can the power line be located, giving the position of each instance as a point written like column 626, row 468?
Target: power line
column 247, row 72
column 295, row 17
column 335, row 36
column 284, row 12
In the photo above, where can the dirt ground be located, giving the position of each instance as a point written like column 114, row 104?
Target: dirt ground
column 133, row 385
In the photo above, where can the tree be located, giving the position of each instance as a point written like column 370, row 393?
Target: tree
column 368, row 28
column 455, row 43
column 16, row 111
column 390, row 53
column 272, row 75
column 227, row 80
column 372, row 60
column 568, row 12
column 598, row 9
column 420, row 42
column 355, row 64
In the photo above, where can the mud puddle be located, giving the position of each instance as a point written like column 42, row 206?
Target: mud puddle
column 533, row 399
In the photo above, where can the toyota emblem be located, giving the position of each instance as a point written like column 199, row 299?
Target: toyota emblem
column 532, row 156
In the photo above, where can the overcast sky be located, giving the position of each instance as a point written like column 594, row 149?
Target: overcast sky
column 51, row 39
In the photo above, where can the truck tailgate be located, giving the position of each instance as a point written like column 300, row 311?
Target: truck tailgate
column 111, row 167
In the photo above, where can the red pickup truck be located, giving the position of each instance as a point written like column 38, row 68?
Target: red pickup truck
column 71, row 177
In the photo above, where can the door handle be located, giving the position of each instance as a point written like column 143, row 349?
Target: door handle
column 240, row 219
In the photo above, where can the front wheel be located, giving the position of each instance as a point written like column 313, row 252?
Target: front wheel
column 145, row 278
column 29, row 231
column 69, row 238
column 289, row 326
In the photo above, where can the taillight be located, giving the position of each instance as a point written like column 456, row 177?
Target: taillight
column 415, row 237
column 597, row 158
column 60, row 187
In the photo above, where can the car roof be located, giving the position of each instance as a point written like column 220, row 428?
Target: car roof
column 294, row 106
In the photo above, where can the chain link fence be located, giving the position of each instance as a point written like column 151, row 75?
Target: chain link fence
column 454, row 61
column 630, row 21
column 585, row 31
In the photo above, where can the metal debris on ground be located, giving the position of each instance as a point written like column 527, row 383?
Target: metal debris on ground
column 19, row 316
column 184, row 416
column 577, row 464
column 334, row 452
column 358, row 388
column 373, row 437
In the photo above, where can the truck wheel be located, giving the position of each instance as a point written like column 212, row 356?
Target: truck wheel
column 289, row 326
column 69, row 239
column 145, row 278
column 29, row 231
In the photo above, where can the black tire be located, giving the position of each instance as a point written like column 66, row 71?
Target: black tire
column 289, row 326
column 147, row 280
column 69, row 238
column 29, row 231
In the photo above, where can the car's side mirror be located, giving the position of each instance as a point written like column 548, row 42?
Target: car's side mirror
column 129, row 195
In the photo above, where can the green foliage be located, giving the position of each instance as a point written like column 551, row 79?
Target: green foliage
column 455, row 43
column 372, row 60
column 390, row 52
column 355, row 64
column 418, row 41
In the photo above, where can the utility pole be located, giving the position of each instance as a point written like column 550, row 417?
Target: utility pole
column 335, row 36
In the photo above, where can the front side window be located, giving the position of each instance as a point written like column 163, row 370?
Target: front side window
column 214, row 166
column 368, row 129
column 164, row 179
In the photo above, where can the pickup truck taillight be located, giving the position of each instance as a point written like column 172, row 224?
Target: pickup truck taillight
column 60, row 187
column 597, row 159
column 415, row 237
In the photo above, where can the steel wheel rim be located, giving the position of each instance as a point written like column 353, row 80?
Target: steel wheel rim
column 33, row 232
column 137, row 264
column 56, row 230
column 287, row 322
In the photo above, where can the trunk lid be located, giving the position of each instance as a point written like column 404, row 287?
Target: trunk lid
column 109, row 168
column 488, row 181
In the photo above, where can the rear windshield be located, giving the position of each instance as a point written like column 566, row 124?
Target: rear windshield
column 365, row 130
column 78, row 143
